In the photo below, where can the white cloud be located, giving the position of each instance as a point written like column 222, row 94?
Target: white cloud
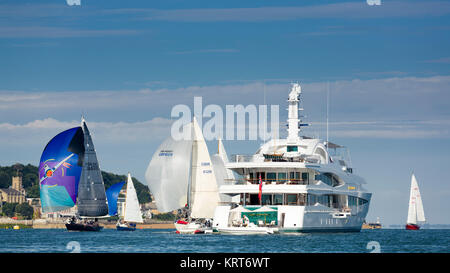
column 418, row 106
column 40, row 131
column 59, row 32
column 347, row 10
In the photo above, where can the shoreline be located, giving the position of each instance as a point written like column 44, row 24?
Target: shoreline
column 43, row 224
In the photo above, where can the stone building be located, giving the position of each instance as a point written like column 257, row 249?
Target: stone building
column 14, row 194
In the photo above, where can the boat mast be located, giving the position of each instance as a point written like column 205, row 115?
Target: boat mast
column 125, row 203
column 189, row 197
column 328, row 99
column 293, row 119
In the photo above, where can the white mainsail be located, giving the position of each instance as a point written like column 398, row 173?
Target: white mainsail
column 132, row 208
column 415, row 211
column 167, row 175
column 204, row 194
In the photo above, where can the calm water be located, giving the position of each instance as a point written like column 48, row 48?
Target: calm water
column 158, row 241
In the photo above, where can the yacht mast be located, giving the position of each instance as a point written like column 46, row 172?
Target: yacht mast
column 293, row 119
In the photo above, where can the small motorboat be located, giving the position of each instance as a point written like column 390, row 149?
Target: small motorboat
column 184, row 227
column 248, row 230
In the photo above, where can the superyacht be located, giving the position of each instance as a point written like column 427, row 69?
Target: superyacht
column 297, row 184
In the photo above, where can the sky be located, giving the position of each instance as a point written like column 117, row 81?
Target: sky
column 125, row 64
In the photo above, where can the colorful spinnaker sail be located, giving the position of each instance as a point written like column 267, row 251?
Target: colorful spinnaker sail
column 112, row 194
column 60, row 170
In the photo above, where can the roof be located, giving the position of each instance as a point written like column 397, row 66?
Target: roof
column 11, row 191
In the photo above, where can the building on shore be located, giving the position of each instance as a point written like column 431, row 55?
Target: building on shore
column 15, row 193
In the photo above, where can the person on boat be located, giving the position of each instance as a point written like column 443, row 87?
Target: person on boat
column 246, row 221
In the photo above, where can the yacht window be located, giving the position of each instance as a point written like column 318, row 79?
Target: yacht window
column 291, row 199
column 254, row 199
column 311, row 199
column 361, row 201
column 292, row 148
column 328, row 179
column 278, row 199
column 282, row 177
column 266, row 199
column 352, row 201
column 263, row 176
column 271, row 177
column 305, row 177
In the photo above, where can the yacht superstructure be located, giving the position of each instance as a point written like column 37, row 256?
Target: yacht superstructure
column 297, row 184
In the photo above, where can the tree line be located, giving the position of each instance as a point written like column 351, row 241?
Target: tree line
column 30, row 181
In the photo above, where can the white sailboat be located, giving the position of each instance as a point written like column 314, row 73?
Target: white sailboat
column 132, row 214
column 416, row 213
column 181, row 175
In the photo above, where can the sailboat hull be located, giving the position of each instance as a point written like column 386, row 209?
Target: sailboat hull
column 119, row 228
column 126, row 227
column 83, row 227
column 183, row 227
column 412, row 227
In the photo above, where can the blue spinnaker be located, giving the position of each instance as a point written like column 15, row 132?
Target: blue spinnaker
column 112, row 194
column 60, row 169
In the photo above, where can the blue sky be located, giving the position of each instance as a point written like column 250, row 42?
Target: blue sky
column 126, row 64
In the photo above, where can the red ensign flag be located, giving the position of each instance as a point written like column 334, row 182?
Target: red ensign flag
column 260, row 188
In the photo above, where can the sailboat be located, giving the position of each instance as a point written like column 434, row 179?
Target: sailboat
column 181, row 177
column 132, row 213
column 416, row 214
column 69, row 175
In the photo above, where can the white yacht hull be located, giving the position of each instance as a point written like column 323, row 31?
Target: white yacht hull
column 302, row 219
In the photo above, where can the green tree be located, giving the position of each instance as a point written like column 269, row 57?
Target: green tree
column 5, row 180
column 33, row 191
column 29, row 179
column 24, row 210
column 8, row 209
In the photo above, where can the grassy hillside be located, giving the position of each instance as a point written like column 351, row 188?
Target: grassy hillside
column 30, row 181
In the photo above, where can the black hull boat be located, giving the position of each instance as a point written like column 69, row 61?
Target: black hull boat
column 83, row 227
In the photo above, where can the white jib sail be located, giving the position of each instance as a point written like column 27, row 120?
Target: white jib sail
column 419, row 206
column 132, row 208
column 167, row 175
column 415, row 211
column 204, row 193
column 223, row 175
column 223, row 154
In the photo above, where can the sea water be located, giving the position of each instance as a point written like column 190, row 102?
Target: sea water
column 167, row 241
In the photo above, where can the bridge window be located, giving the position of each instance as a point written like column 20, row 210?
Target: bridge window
column 292, row 148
